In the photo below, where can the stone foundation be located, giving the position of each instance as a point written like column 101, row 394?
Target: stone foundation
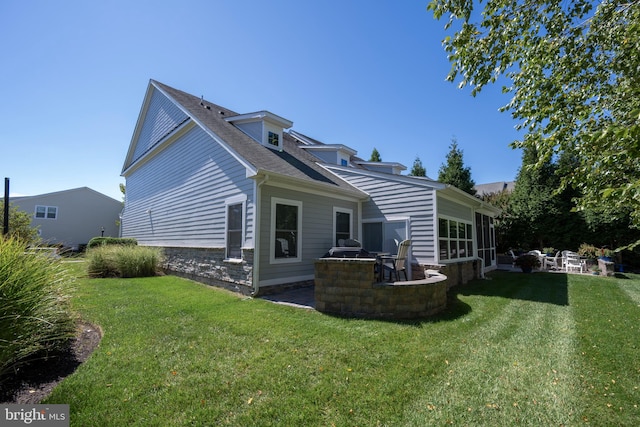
column 208, row 265
column 348, row 287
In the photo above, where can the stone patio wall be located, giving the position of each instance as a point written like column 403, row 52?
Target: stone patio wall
column 348, row 287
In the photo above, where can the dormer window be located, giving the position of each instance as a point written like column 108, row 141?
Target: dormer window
column 273, row 139
column 264, row 127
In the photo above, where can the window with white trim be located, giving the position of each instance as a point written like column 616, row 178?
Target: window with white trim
column 235, row 210
column 455, row 239
column 286, row 221
column 341, row 225
column 46, row 212
column 273, row 139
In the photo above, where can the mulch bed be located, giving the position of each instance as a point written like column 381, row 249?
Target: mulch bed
column 34, row 381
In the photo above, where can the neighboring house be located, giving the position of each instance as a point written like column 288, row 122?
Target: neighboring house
column 494, row 187
column 240, row 201
column 71, row 217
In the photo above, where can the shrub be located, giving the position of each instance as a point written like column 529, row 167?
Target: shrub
column 123, row 261
column 107, row 241
column 588, row 251
column 527, row 261
column 35, row 315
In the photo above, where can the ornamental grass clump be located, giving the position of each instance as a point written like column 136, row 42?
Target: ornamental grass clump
column 35, row 315
column 123, row 261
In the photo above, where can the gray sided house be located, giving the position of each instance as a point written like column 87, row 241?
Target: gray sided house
column 243, row 202
column 72, row 217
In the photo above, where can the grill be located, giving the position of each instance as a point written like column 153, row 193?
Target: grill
column 347, row 252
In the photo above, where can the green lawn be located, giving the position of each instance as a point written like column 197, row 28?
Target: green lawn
column 537, row 349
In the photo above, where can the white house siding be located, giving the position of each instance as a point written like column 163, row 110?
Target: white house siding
column 162, row 117
column 317, row 233
column 454, row 210
column 253, row 129
column 178, row 199
column 393, row 198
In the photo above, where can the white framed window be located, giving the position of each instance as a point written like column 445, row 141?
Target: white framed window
column 273, row 139
column 46, row 212
column 455, row 238
column 235, row 209
column 286, row 228
column 342, row 228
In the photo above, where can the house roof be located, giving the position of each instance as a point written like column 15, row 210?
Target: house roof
column 291, row 163
column 62, row 192
column 494, row 187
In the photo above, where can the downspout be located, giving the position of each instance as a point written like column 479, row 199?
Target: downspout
column 256, row 238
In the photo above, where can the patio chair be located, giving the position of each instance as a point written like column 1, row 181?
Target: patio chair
column 553, row 263
column 574, row 262
column 397, row 263
column 513, row 258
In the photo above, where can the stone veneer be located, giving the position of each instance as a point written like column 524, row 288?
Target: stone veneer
column 458, row 273
column 347, row 287
column 208, row 265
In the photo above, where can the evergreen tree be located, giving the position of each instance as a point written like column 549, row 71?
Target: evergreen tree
column 418, row 169
column 19, row 224
column 375, row 156
column 538, row 215
column 454, row 172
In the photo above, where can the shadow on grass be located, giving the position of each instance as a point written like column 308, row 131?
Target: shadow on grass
column 547, row 288
column 550, row 288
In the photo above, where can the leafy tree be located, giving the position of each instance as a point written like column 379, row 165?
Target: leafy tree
column 19, row 224
column 418, row 169
column 573, row 71
column 454, row 172
column 375, row 156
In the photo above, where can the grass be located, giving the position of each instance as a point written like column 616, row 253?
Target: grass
column 536, row 349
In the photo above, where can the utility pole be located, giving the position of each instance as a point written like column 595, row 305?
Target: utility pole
column 5, row 230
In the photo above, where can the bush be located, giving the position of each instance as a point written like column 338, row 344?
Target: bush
column 35, row 315
column 123, row 261
column 107, row 241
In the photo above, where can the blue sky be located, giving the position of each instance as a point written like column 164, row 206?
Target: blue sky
column 359, row 73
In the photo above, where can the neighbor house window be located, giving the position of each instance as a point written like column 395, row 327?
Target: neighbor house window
column 273, row 139
column 455, row 239
column 286, row 220
column 235, row 227
column 341, row 225
column 46, row 212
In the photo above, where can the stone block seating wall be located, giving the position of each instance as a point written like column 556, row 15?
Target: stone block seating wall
column 348, row 287
column 461, row 272
column 208, row 265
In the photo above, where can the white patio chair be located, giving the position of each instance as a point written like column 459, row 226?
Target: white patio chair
column 513, row 258
column 574, row 262
column 553, row 263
